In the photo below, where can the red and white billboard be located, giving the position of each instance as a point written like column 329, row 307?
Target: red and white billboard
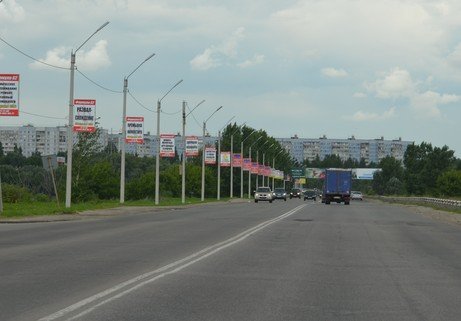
column 9, row 94
column 191, row 146
column 254, row 168
column 247, row 164
column 210, row 155
column 237, row 160
column 261, row 169
column 225, row 159
column 134, row 130
column 167, row 145
column 84, row 115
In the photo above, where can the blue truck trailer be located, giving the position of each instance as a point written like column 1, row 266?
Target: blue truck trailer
column 337, row 186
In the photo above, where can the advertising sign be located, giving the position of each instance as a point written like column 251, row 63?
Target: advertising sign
column 267, row 171
column 167, row 146
column 9, row 94
column 254, row 168
column 247, row 164
column 210, row 155
column 134, row 130
column 191, row 146
column 84, row 115
column 297, row 172
column 237, row 161
column 261, row 169
column 225, row 159
column 364, row 173
column 315, row 173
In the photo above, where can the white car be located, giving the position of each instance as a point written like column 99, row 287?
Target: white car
column 264, row 194
column 356, row 195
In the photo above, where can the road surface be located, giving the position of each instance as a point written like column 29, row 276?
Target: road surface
column 289, row 260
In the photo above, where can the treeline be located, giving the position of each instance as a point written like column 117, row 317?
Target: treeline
column 96, row 170
column 425, row 170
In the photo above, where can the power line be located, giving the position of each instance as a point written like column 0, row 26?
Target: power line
column 30, row 57
column 43, row 116
column 95, row 83
column 139, row 103
column 193, row 116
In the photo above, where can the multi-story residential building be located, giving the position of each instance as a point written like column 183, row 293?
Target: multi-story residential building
column 371, row 150
column 51, row 140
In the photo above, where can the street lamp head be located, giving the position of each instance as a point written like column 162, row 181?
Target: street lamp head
column 99, row 29
column 175, row 85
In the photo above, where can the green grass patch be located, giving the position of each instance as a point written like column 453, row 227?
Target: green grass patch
column 24, row 209
column 438, row 207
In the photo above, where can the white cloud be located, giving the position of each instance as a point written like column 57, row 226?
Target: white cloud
column 361, row 116
column 334, row 73
column 256, row 60
column 359, row 95
column 395, row 84
column 11, row 11
column 93, row 59
column 215, row 56
column 426, row 104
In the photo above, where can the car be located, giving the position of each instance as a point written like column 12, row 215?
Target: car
column 356, row 195
column 280, row 193
column 264, row 194
column 310, row 194
column 295, row 192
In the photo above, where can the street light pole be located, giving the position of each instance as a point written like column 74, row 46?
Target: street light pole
column 264, row 176
column 203, row 153
column 157, row 154
column 273, row 167
column 232, row 161
column 123, row 143
column 70, row 140
column 218, row 192
column 249, row 173
column 241, row 167
column 183, row 172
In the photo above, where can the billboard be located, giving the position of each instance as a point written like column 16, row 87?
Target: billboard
column 210, row 155
column 364, row 173
column 9, row 94
column 237, row 160
column 247, row 164
column 254, row 168
column 225, row 159
column 134, row 130
column 315, row 173
column 84, row 115
column 167, row 145
column 191, row 146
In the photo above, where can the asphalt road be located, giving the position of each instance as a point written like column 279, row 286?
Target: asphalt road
column 289, row 260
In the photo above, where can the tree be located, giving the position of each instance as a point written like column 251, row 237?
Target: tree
column 389, row 179
column 449, row 183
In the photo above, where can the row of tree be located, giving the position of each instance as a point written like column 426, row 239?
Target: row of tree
column 96, row 170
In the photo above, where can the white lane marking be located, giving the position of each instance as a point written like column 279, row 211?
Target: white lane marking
column 164, row 271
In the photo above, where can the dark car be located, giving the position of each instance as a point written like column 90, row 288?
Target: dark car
column 310, row 194
column 280, row 193
column 295, row 192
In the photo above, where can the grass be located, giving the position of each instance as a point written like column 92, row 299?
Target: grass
column 51, row 208
column 449, row 209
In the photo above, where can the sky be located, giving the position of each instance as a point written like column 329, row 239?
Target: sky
column 338, row 68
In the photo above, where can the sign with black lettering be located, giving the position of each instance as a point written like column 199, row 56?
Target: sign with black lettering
column 167, row 145
column 134, row 130
column 9, row 94
column 84, row 115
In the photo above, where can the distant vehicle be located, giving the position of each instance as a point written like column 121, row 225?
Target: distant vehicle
column 280, row 193
column 295, row 192
column 356, row 195
column 337, row 186
column 310, row 194
column 263, row 194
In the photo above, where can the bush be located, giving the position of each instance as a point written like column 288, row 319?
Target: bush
column 449, row 183
column 15, row 194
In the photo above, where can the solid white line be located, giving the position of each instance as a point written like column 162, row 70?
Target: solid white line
column 164, row 271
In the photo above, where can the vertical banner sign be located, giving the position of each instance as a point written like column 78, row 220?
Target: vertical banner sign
column 191, row 146
column 9, row 94
column 84, row 115
column 237, row 161
column 134, row 130
column 261, row 169
column 247, row 164
column 267, row 171
column 210, row 155
column 167, row 147
column 254, row 168
column 225, row 159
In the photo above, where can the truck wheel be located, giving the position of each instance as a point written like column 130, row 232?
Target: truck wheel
column 256, row 201
column 346, row 203
column 270, row 201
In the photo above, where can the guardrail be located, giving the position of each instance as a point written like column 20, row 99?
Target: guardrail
column 428, row 200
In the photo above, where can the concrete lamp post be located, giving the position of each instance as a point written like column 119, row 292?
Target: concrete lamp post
column 218, row 192
column 241, row 167
column 157, row 153
column 232, row 160
column 122, row 143
column 202, row 198
column 249, row 173
column 70, row 140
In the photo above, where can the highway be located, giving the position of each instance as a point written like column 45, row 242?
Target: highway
column 289, row 260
